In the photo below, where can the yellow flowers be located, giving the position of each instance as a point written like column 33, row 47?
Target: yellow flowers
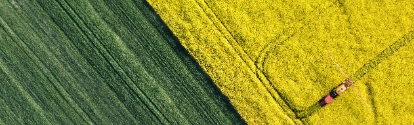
column 269, row 57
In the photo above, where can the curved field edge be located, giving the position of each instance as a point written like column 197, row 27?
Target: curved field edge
column 95, row 62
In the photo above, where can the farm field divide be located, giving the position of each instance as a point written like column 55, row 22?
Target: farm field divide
column 100, row 62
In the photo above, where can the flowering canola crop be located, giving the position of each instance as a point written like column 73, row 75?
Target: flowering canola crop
column 269, row 57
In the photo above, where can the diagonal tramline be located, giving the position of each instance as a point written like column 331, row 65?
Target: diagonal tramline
column 341, row 88
column 403, row 41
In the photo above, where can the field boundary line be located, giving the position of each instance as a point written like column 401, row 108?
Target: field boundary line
column 246, row 58
column 130, row 52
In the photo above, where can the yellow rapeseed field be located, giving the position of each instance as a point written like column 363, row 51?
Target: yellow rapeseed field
column 269, row 57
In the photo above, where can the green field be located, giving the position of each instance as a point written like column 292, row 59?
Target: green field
column 100, row 62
